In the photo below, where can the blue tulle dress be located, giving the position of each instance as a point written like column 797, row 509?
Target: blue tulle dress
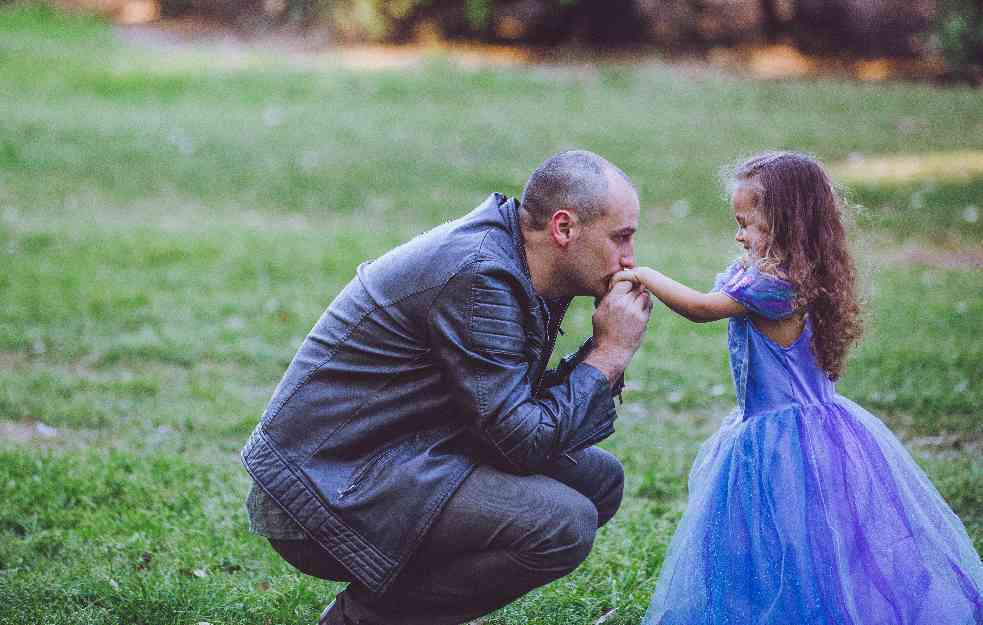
column 803, row 508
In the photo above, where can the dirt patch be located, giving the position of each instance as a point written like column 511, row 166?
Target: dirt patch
column 11, row 360
column 897, row 169
column 208, row 33
column 914, row 253
column 947, row 444
column 229, row 47
column 35, row 433
column 783, row 61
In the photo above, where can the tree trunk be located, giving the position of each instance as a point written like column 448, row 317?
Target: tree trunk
column 771, row 24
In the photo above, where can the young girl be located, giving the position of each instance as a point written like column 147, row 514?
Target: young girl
column 803, row 508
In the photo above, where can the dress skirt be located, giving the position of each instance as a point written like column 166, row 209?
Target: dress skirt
column 815, row 515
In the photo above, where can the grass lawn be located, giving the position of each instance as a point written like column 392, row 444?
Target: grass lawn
column 172, row 222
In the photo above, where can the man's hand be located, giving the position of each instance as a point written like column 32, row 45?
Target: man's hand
column 619, row 324
column 625, row 275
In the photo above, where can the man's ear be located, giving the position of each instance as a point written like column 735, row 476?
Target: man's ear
column 563, row 227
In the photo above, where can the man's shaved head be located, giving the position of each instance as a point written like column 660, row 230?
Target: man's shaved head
column 575, row 180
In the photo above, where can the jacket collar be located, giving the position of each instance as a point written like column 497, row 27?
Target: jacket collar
column 509, row 207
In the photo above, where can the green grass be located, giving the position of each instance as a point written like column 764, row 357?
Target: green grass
column 172, row 223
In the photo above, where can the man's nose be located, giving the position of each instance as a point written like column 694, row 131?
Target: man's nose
column 628, row 262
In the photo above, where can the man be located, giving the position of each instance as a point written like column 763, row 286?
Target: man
column 418, row 448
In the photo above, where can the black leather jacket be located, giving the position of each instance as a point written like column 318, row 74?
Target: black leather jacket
column 430, row 361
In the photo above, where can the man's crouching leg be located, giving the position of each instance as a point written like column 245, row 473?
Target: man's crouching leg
column 500, row 536
column 597, row 475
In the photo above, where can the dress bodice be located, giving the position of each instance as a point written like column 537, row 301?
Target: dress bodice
column 779, row 377
column 768, row 376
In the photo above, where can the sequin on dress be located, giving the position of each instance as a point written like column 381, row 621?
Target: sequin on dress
column 804, row 509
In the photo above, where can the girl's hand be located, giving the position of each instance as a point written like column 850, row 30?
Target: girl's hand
column 625, row 275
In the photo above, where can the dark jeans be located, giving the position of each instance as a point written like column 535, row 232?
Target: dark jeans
column 500, row 536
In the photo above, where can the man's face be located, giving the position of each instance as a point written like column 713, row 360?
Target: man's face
column 606, row 245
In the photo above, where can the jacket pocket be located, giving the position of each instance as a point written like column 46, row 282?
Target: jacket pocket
column 362, row 472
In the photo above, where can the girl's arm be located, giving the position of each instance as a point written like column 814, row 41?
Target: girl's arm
column 690, row 303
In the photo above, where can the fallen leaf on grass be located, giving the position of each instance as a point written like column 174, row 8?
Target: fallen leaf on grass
column 607, row 615
column 144, row 562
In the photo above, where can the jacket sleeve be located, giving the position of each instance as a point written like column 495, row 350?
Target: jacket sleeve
column 552, row 377
column 478, row 338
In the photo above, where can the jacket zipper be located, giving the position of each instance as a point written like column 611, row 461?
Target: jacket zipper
column 550, row 346
column 591, row 439
column 551, row 340
column 360, row 476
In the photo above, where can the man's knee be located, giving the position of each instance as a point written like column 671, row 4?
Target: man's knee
column 564, row 534
column 597, row 475
column 612, row 487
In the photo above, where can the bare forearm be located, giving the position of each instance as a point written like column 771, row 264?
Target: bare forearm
column 683, row 300
column 611, row 363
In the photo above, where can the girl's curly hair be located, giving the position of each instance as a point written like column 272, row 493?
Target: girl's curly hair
column 808, row 247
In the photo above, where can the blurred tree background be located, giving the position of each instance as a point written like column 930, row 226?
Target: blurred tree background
column 949, row 30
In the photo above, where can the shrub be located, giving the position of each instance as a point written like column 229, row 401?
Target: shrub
column 959, row 27
column 532, row 21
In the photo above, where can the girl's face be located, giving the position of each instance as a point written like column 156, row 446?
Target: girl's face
column 752, row 229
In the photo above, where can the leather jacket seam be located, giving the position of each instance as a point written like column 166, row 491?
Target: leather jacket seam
column 478, row 258
column 394, row 373
column 341, row 342
column 480, row 390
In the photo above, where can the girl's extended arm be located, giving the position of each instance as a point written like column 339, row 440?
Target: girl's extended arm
column 690, row 303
